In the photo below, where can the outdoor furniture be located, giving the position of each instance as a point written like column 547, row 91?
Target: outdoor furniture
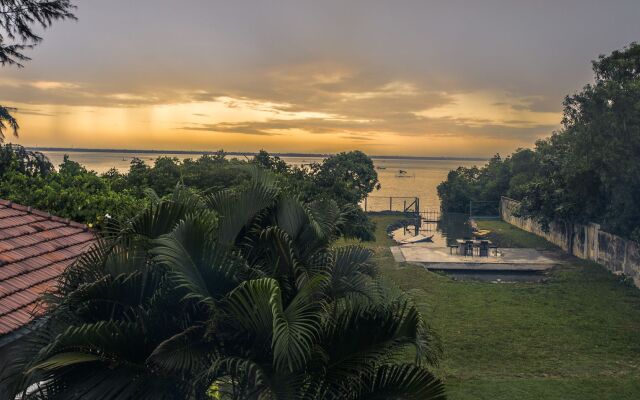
column 451, row 247
column 483, row 248
column 461, row 246
column 494, row 247
column 466, row 247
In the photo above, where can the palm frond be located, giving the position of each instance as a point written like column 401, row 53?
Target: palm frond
column 401, row 382
column 184, row 353
column 205, row 268
column 238, row 207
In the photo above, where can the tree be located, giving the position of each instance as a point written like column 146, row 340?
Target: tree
column 236, row 296
column 17, row 21
column 7, row 121
column 592, row 173
column 348, row 176
column 273, row 163
column 165, row 175
column 588, row 171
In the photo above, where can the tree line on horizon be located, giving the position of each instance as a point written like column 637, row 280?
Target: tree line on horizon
column 588, row 171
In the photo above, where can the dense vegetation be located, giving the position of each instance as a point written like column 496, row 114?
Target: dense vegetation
column 589, row 171
column 237, row 295
column 72, row 191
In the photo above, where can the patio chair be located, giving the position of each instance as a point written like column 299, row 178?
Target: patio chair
column 483, row 248
column 468, row 248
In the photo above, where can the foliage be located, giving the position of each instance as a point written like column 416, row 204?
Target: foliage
column 346, row 178
column 237, row 295
column 7, row 121
column 18, row 19
column 486, row 184
column 208, row 173
column 588, row 171
column 28, row 177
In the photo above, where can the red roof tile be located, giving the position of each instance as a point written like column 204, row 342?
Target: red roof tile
column 35, row 248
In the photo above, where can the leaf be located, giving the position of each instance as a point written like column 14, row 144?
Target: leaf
column 63, row 360
column 401, row 382
column 182, row 353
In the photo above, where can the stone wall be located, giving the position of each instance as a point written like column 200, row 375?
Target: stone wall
column 618, row 255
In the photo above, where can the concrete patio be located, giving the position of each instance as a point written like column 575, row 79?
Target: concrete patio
column 441, row 259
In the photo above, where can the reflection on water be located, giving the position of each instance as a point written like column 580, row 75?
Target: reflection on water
column 451, row 226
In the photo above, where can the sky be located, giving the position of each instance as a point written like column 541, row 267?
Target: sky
column 421, row 78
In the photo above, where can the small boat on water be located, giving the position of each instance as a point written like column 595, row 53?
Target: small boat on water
column 403, row 174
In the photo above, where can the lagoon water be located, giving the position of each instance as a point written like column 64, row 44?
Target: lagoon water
column 422, row 176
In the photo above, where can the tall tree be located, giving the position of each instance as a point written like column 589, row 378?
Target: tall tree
column 18, row 19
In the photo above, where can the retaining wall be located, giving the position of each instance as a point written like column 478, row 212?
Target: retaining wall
column 618, row 255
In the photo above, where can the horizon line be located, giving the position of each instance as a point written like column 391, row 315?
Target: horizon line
column 241, row 153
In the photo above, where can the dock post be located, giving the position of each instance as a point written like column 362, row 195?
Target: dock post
column 418, row 216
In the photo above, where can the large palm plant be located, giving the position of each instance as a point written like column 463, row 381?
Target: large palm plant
column 236, row 296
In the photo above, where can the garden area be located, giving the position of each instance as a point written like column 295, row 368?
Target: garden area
column 574, row 336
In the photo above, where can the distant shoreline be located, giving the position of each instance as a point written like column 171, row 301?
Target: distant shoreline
column 236, row 153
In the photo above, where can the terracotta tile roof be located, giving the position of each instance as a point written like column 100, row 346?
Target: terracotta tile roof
column 35, row 247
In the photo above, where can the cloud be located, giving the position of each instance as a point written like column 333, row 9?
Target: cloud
column 247, row 128
column 316, row 99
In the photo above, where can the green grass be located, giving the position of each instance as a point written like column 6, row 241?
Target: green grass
column 507, row 235
column 576, row 336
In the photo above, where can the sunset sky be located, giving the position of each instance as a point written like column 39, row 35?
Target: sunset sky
column 432, row 78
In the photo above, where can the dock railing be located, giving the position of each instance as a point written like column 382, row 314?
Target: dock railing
column 402, row 204
column 426, row 220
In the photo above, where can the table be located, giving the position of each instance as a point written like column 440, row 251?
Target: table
column 466, row 247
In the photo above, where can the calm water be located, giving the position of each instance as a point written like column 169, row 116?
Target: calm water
column 421, row 177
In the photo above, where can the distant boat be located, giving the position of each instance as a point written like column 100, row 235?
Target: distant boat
column 380, row 167
column 403, row 174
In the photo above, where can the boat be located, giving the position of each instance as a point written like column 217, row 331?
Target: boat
column 417, row 239
column 403, row 174
column 481, row 232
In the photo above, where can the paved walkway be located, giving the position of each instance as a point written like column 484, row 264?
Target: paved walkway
column 440, row 258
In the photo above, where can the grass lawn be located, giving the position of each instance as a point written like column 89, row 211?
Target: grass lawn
column 576, row 336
